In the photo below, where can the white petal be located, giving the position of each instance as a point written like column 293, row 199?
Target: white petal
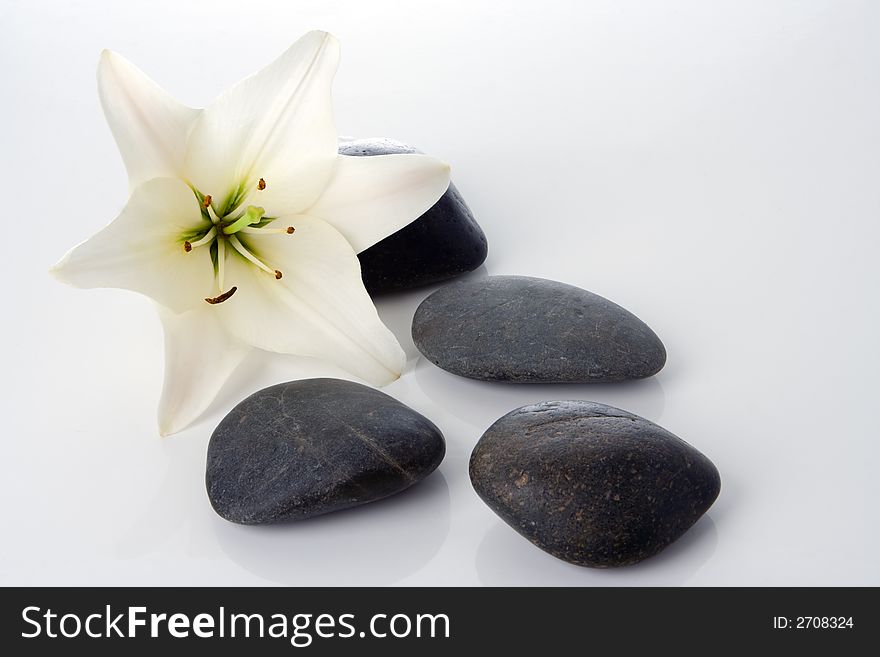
column 150, row 127
column 142, row 249
column 319, row 308
column 369, row 198
column 276, row 125
column 199, row 357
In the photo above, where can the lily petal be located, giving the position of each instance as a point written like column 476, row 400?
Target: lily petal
column 369, row 198
column 150, row 127
column 142, row 249
column 318, row 308
column 199, row 357
column 276, row 125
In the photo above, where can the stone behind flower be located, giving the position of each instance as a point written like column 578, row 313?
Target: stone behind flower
column 305, row 448
column 443, row 243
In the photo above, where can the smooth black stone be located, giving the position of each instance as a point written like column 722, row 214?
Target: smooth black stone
column 305, row 448
column 591, row 484
column 443, row 243
column 532, row 330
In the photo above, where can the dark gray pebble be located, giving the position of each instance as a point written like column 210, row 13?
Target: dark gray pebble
column 591, row 484
column 309, row 447
column 532, row 330
column 443, row 243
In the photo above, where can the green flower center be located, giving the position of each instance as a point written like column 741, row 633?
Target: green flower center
column 229, row 229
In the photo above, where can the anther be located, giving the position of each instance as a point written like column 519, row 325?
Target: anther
column 207, row 201
column 277, row 275
column 261, row 185
column 187, row 247
column 223, row 297
column 290, row 230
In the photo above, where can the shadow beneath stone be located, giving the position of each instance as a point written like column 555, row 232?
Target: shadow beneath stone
column 505, row 558
column 480, row 403
column 373, row 545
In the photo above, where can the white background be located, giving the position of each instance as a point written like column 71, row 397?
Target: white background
column 711, row 166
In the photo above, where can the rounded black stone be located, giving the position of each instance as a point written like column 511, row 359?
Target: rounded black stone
column 443, row 243
column 532, row 330
column 592, row 484
column 305, row 448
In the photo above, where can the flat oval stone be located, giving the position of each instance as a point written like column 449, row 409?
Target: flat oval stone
column 592, row 484
column 443, row 243
column 305, row 448
column 532, row 330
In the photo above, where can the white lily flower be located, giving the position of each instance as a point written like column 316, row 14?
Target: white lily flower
column 244, row 223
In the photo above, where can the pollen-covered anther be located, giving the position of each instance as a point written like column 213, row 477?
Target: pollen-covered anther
column 261, row 185
column 222, row 297
column 187, row 246
column 207, row 201
column 290, row 230
column 278, row 275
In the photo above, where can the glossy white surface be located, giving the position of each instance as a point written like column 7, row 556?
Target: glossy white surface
column 713, row 167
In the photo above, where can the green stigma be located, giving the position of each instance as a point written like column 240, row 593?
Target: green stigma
column 252, row 215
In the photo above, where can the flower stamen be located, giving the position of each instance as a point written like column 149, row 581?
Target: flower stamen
column 248, row 230
column 261, row 185
column 207, row 202
column 238, row 246
column 212, row 215
column 207, row 239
